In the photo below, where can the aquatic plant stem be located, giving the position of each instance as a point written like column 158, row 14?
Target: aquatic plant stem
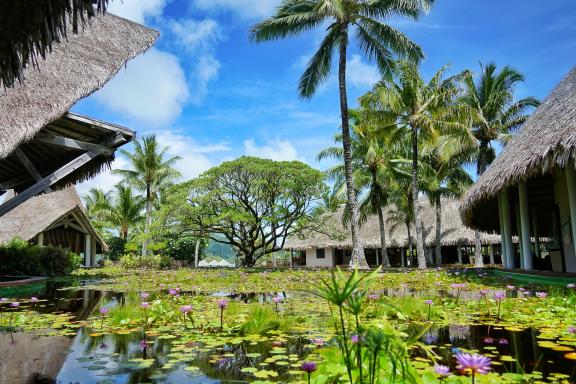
column 309, row 377
column 359, row 348
column 221, row 319
column 345, row 342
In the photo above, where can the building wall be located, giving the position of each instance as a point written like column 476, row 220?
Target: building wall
column 312, row 261
column 561, row 192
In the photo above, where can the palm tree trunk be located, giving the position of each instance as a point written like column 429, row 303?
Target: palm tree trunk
column 478, row 258
column 415, row 192
column 385, row 261
column 438, row 250
column 148, row 220
column 196, row 253
column 410, row 248
column 358, row 260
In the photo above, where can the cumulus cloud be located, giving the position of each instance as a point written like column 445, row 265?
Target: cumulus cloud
column 248, row 9
column 137, row 10
column 361, row 74
column 152, row 89
column 193, row 34
column 277, row 149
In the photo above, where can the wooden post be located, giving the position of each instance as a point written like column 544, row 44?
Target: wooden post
column 459, row 254
column 571, row 186
column 525, row 226
column 402, row 257
column 87, row 249
column 492, row 262
column 41, row 239
column 536, row 230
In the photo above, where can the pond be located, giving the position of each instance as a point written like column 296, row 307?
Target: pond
column 65, row 339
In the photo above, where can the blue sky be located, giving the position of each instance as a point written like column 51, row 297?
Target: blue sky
column 212, row 95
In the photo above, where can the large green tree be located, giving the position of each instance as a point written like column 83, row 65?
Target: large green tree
column 152, row 171
column 424, row 108
column 362, row 19
column 253, row 203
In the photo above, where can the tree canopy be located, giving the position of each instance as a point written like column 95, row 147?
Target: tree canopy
column 253, row 203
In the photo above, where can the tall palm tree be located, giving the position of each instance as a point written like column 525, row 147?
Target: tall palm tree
column 402, row 211
column 495, row 112
column 442, row 177
column 377, row 40
column 372, row 163
column 152, row 172
column 424, row 109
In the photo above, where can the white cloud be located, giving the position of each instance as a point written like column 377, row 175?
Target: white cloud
column 152, row 89
column 360, row 74
column 137, row 10
column 206, row 70
column 248, row 9
column 278, row 150
column 193, row 34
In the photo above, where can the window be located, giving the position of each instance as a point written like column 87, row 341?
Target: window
column 320, row 253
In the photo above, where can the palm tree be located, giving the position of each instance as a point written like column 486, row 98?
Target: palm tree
column 377, row 40
column 422, row 108
column 496, row 114
column 125, row 210
column 402, row 211
column 152, row 172
column 442, row 177
column 372, row 167
column 96, row 201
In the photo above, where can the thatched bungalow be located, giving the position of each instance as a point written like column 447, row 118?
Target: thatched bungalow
column 57, row 219
column 333, row 246
column 42, row 146
column 530, row 189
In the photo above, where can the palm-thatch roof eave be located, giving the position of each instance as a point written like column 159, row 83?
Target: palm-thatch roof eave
column 74, row 69
column 41, row 212
column 336, row 235
column 546, row 141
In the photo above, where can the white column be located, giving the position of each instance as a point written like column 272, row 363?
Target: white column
column 41, row 239
column 87, row 249
column 402, row 257
column 525, row 226
column 492, row 254
column 459, row 254
column 507, row 246
column 536, row 230
column 571, row 185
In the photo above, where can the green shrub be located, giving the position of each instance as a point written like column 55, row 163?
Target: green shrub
column 22, row 259
column 115, row 248
column 130, row 261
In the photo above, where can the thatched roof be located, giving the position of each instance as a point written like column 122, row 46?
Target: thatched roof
column 39, row 213
column 547, row 140
column 29, row 28
column 338, row 236
column 75, row 69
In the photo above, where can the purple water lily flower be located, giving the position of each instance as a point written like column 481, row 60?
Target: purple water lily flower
column 144, row 295
column 355, row 339
column 185, row 309
column 277, row 299
column 503, row 341
column 572, row 329
column 223, row 303
column 499, row 296
column 309, row 366
column 3, row 300
column 472, row 364
column 442, row 370
column 104, row 310
column 33, row 299
column 319, row 342
column 145, row 305
column 510, row 287
column 428, row 302
column 373, row 296
column 571, row 285
column 488, row 340
column 143, row 344
column 15, row 304
column 541, row 295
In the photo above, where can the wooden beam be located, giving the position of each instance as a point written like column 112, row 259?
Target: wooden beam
column 48, row 181
column 10, row 184
column 66, row 142
column 27, row 163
